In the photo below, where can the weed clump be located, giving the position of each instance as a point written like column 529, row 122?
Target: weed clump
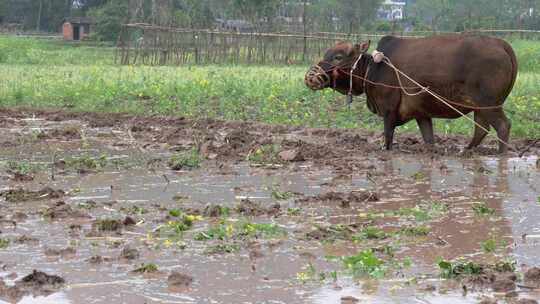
column 265, row 155
column 147, row 268
column 186, row 160
column 365, row 263
column 371, row 233
column 24, row 167
column 415, row 231
column 4, row 243
column 242, row 230
column 281, row 195
column 482, row 209
column 462, row 268
column 83, row 164
column 222, row 249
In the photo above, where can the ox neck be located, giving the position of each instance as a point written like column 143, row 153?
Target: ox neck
column 360, row 71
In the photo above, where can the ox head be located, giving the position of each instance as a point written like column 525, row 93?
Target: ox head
column 329, row 72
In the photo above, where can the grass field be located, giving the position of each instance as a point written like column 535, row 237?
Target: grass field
column 40, row 73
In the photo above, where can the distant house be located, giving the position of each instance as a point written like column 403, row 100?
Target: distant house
column 77, row 28
column 391, row 10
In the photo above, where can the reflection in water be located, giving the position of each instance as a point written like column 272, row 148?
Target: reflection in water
column 510, row 186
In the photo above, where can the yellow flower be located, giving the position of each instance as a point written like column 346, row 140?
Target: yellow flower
column 302, row 276
column 167, row 243
column 194, row 218
column 229, row 230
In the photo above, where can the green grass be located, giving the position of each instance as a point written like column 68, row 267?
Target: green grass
column 460, row 268
column 241, row 230
column 43, row 74
column 281, row 195
column 35, row 51
column 422, row 212
column 489, row 245
column 365, row 263
column 146, row 268
column 482, row 209
column 451, row 270
column 371, row 233
column 4, row 243
column 24, row 167
column 265, row 155
column 222, row 249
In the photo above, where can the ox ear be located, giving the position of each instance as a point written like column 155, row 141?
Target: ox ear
column 362, row 47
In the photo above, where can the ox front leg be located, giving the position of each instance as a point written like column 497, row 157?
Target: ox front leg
column 389, row 128
column 426, row 128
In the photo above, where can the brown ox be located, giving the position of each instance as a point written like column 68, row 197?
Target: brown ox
column 476, row 73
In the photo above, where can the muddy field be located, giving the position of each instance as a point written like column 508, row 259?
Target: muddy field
column 102, row 208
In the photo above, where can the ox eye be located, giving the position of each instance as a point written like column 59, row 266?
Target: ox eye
column 338, row 57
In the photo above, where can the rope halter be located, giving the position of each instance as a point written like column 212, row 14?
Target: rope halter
column 351, row 75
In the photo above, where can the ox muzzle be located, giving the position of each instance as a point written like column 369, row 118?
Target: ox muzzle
column 317, row 78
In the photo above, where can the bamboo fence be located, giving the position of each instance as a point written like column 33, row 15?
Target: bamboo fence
column 157, row 45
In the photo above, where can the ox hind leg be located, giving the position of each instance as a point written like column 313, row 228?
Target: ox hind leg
column 426, row 128
column 498, row 120
column 479, row 133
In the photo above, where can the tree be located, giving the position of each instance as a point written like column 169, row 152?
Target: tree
column 260, row 12
column 109, row 19
column 3, row 10
column 193, row 13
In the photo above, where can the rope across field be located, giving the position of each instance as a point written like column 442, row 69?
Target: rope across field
column 157, row 45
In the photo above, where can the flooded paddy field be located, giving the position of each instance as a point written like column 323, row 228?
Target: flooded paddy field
column 104, row 208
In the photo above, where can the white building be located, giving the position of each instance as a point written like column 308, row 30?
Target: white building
column 391, row 10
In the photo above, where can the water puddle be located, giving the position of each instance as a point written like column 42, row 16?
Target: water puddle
column 481, row 209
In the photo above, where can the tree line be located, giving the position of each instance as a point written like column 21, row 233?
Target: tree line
column 275, row 15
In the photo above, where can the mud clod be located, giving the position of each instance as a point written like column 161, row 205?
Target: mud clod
column 343, row 199
column 21, row 177
column 349, row 300
column 97, row 259
column 129, row 253
column 37, row 284
column 503, row 285
column 40, row 279
column 25, row 239
column 179, row 282
column 293, row 155
column 213, row 211
column 19, row 216
column 108, row 225
column 61, row 210
column 488, row 301
column 21, row 195
column 239, row 139
column 66, row 133
column 129, row 221
column 339, row 232
column 250, row 208
column 532, row 277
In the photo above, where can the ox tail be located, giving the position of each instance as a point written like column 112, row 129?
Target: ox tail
column 513, row 60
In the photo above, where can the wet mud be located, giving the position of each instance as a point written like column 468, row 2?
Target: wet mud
column 92, row 212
